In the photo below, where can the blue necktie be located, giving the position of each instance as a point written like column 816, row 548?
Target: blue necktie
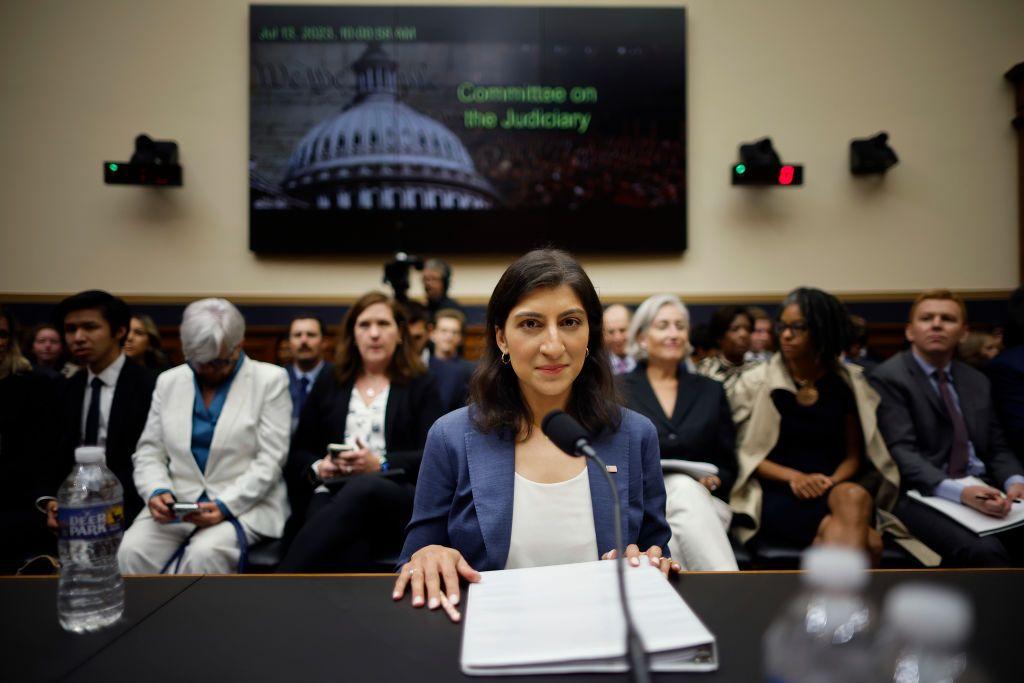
column 303, row 391
column 92, row 419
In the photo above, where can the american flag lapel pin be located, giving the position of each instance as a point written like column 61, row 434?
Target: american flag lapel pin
column 611, row 469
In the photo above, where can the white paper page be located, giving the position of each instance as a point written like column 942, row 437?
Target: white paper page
column 571, row 613
column 978, row 522
column 693, row 468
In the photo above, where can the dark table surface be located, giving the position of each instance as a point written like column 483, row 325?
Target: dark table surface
column 345, row 628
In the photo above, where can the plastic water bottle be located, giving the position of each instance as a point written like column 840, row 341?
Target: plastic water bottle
column 90, row 593
column 826, row 634
column 924, row 636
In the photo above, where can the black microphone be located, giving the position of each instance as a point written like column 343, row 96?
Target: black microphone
column 570, row 437
column 568, row 434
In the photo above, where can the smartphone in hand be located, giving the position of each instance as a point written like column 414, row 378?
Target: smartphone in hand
column 337, row 449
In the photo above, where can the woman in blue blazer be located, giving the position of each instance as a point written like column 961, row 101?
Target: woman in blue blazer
column 493, row 492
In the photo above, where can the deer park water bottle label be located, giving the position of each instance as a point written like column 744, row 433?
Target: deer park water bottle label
column 91, row 523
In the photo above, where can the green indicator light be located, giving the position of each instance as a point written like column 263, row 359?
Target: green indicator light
column 740, row 168
column 112, row 167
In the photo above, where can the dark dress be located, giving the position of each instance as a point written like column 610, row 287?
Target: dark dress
column 32, row 467
column 812, row 439
column 700, row 427
column 362, row 520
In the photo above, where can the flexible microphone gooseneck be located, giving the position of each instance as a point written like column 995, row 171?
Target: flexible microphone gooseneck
column 570, row 436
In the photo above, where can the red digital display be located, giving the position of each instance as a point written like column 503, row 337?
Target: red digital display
column 785, row 175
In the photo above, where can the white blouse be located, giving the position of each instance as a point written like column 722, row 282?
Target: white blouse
column 367, row 421
column 552, row 523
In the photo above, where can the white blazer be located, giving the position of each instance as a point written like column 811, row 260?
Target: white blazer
column 247, row 454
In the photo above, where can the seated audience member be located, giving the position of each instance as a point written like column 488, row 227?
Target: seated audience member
column 46, row 352
column 306, row 340
column 452, row 371
column 812, row 464
column 107, row 404
column 416, row 316
column 939, row 422
column 762, row 341
column 379, row 401
column 693, row 421
column 729, row 329
column 616, row 338
column 217, row 435
column 856, row 352
column 437, row 279
column 143, row 344
column 1006, row 372
column 28, row 448
column 702, row 346
column 494, row 492
column 977, row 349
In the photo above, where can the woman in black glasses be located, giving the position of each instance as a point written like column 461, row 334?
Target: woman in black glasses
column 813, row 464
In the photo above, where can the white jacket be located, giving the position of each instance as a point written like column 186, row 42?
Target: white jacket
column 247, row 454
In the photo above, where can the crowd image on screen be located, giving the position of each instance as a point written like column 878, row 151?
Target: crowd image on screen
column 622, row 171
column 810, row 425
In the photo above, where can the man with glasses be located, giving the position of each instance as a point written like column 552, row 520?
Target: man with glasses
column 939, row 423
column 217, row 437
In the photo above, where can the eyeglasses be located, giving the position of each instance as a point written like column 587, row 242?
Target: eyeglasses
column 796, row 328
column 215, row 364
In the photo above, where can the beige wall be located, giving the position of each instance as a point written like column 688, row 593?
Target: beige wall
column 81, row 79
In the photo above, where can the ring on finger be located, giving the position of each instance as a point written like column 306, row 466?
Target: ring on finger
column 412, row 570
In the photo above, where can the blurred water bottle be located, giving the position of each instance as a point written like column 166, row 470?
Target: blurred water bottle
column 90, row 593
column 825, row 635
column 924, row 636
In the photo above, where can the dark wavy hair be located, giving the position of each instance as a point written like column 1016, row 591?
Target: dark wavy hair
column 405, row 364
column 828, row 322
column 721, row 321
column 497, row 401
column 113, row 309
column 153, row 357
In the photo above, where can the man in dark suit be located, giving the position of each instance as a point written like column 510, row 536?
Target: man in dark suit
column 306, row 341
column 1006, row 372
column 452, row 371
column 106, row 405
column 940, row 426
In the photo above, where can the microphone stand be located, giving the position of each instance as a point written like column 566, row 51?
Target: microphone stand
column 637, row 658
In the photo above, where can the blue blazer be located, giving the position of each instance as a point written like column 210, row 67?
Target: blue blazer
column 465, row 490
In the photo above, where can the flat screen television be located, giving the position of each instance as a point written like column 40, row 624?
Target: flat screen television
column 466, row 129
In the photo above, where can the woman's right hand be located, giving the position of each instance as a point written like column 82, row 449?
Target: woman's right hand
column 425, row 570
column 160, row 508
column 807, row 486
column 327, row 469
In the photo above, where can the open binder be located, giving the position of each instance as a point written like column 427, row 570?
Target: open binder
column 568, row 619
column 978, row 522
column 697, row 470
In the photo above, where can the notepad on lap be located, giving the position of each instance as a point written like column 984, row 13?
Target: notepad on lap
column 978, row 522
column 568, row 619
column 697, row 470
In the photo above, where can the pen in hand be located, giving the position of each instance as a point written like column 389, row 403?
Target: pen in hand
column 981, row 497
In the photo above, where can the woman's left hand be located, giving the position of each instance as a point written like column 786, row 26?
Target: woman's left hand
column 710, row 482
column 361, row 461
column 653, row 555
column 208, row 515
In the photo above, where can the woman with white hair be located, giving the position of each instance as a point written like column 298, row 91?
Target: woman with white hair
column 216, row 436
column 694, row 423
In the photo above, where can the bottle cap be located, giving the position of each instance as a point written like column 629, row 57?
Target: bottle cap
column 929, row 614
column 90, row 455
column 838, row 567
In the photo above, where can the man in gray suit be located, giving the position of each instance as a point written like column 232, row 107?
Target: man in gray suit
column 939, row 423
